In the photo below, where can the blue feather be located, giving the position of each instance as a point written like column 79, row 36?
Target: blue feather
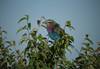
column 54, row 35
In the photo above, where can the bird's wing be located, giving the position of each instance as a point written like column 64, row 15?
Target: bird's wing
column 59, row 30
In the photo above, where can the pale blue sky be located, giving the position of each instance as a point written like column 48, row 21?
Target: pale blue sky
column 84, row 14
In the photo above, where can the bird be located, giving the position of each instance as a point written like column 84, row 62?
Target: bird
column 55, row 32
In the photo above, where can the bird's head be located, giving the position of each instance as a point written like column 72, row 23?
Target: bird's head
column 47, row 23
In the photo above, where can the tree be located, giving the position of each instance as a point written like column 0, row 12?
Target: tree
column 89, row 58
column 42, row 53
column 7, row 57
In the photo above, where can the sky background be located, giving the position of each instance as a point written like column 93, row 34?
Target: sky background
column 84, row 14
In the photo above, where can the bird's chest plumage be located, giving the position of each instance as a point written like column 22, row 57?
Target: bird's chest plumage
column 50, row 30
column 52, row 34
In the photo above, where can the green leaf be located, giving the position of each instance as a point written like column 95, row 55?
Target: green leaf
column 14, row 43
column 72, row 38
column 23, row 18
column 25, row 34
column 29, row 25
column 33, row 33
column 72, row 27
column 27, row 17
column 68, row 23
column 5, row 32
column 29, row 44
column 40, row 37
column 89, row 40
column 86, row 44
column 21, row 29
column 22, row 40
column 11, row 43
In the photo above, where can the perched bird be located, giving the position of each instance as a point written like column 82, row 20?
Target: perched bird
column 55, row 32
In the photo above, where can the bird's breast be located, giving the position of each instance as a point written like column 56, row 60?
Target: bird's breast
column 49, row 30
column 54, row 35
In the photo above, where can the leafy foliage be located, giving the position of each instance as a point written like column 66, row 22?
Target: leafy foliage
column 89, row 58
column 41, row 53
column 7, row 57
column 68, row 24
